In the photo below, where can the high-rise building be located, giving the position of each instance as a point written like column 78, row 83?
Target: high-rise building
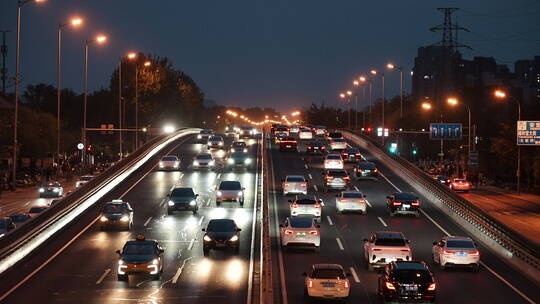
column 527, row 78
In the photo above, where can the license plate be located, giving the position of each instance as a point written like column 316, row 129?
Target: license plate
column 288, row 146
column 461, row 254
column 411, row 288
column 328, row 284
column 316, row 148
column 406, row 206
column 300, row 235
column 367, row 171
column 220, row 245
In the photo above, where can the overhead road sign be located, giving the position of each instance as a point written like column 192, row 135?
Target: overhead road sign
column 528, row 133
column 445, row 131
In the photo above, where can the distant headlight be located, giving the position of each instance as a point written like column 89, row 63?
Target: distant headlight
column 195, row 163
column 211, row 163
column 206, row 238
column 248, row 161
column 103, row 219
column 240, row 193
column 199, row 136
column 124, row 218
column 56, row 190
column 221, row 144
column 234, row 238
column 155, row 261
column 230, row 161
column 171, row 203
column 77, row 184
column 219, row 193
column 41, row 190
column 121, row 262
column 245, row 150
column 192, row 203
column 176, row 163
column 161, row 164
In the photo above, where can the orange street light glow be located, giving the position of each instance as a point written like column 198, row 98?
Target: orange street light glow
column 342, row 95
column 362, row 78
column 349, row 93
column 131, row 55
column 426, row 106
column 500, row 94
column 374, row 72
column 147, row 63
column 76, row 21
column 453, row 101
column 390, row 66
column 356, row 82
column 101, row 38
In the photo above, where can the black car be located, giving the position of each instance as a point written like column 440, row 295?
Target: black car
column 403, row 203
column 19, row 218
column 182, row 199
column 365, row 170
column 52, row 189
column 116, row 214
column 352, row 155
column 407, row 282
column 221, row 234
column 239, row 146
column 315, row 147
column 335, row 135
column 443, row 179
column 6, row 225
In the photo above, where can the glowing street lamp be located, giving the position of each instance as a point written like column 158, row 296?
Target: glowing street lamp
column 454, row 102
column 391, row 66
column 426, row 106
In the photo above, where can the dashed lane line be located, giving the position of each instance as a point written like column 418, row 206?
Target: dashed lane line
column 382, row 222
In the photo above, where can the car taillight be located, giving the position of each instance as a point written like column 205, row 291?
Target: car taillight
column 375, row 170
column 303, row 185
column 405, row 250
column 314, row 232
column 346, row 284
column 346, row 177
column 390, row 286
column 294, row 205
column 448, row 252
column 329, row 177
column 288, row 231
column 310, row 284
column 317, row 205
column 396, row 203
column 467, row 184
column 474, row 253
column 454, row 184
column 415, row 204
column 358, row 154
column 432, row 287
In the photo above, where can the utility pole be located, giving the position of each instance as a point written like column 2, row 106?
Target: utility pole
column 4, row 51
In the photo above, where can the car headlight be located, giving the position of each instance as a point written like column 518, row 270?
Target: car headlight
column 219, row 193
column 161, row 164
column 234, row 238
column 103, row 219
column 206, row 238
column 221, row 144
column 124, row 218
column 195, row 163
column 199, row 136
column 245, row 150
column 171, row 203
column 248, row 161
column 77, row 184
column 192, row 203
column 56, row 190
column 240, row 193
column 155, row 261
column 120, row 262
column 41, row 190
column 211, row 163
column 176, row 164
column 230, row 161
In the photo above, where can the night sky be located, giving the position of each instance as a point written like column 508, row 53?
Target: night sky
column 280, row 53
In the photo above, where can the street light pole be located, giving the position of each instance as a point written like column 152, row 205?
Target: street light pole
column 364, row 110
column 83, row 151
column 120, row 105
column 400, row 93
column 17, row 83
column 136, row 107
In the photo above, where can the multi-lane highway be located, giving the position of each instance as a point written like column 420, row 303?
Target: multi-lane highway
column 86, row 271
column 342, row 240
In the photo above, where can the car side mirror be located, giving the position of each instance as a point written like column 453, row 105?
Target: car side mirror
column 435, row 243
column 196, row 195
column 318, row 226
column 161, row 251
column 204, row 229
column 365, row 195
column 408, row 241
column 290, row 201
column 320, row 200
column 119, row 252
column 281, row 226
column 238, row 229
column 304, row 274
column 366, row 240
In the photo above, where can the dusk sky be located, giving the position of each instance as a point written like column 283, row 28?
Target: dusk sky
column 278, row 53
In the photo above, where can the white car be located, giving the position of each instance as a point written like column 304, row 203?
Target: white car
column 294, row 129
column 384, row 247
column 231, row 191
column 338, row 143
column 215, row 142
column 169, row 162
column 326, row 282
column 239, row 146
column 305, row 134
column 301, row 232
column 456, row 251
column 320, row 131
column 294, row 184
column 333, row 161
column 83, row 180
column 204, row 161
column 204, row 135
column 306, row 206
column 351, row 201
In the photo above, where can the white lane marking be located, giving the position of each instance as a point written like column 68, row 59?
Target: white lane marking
column 162, row 202
column 356, row 188
column 107, row 271
column 253, row 224
column 284, row 298
column 201, row 220
column 136, row 183
column 382, row 222
column 315, row 187
column 181, row 175
column 147, row 221
column 190, row 246
column 355, row 275
column 340, row 244
column 208, row 202
column 329, row 220
column 310, row 177
column 179, row 271
column 172, row 187
column 305, row 165
column 481, row 263
column 218, row 176
column 367, row 202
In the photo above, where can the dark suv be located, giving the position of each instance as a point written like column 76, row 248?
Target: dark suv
column 315, row 147
column 288, row 144
column 336, row 179
column 221, row 234
column 403, row 203
column 407, row 282
column 365, row 170
column 182, row 199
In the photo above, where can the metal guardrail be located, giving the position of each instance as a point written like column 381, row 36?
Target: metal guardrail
column 517, row 245
column 16, row 239
column 267, row 289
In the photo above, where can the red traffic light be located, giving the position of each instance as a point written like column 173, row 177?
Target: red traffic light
column 89, row 149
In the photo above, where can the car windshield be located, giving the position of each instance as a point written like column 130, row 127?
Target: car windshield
column 338, row 173
column 328, row 274
column 353, row 195
column 36, row 209
column 302, row 222
column 169, row 158
column 295, row 179
column 366, row 166
column 390, row 242
column 182, row 192
column 221, row 226
column 239, row 144
column 333, row 157
column 115, row 208
column 216, row 138
column 206, row 132
column 305, row 202
column 246, row 128
column 51, row 185
column 460, row 244
column 405, row 197
column 305, row 130
column 239, row 155
column 412, row 275
column 339, row 140
column 18, row 217
column 230, row 185
column 3, row 224
column 85, row 178
column 315, row 143
column 144, row 248
column 460, row 181
column 335, row 135
column 351, row 151
column 204, row 156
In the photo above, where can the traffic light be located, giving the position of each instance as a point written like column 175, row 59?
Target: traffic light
column 393, row 147
column 89, row 149
column 414, row 151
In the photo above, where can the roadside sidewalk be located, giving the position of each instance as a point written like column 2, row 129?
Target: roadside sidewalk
column 23, row 199
column 520, row 212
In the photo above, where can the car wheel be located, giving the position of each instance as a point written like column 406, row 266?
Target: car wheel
column 206, row 252
column 170, row 212
column 122, row 277
column 237, row 250
column 195, row 211
column 218, row 203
